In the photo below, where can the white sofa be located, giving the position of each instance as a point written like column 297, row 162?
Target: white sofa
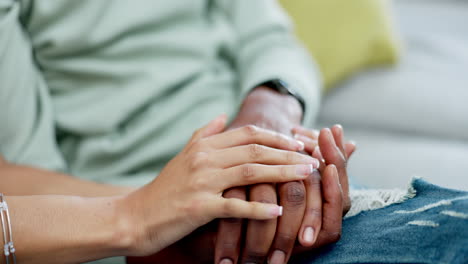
column 411, row 119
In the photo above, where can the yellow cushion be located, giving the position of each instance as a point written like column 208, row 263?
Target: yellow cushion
column 345, row 36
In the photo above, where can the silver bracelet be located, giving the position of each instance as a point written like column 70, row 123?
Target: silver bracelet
column 8, row 247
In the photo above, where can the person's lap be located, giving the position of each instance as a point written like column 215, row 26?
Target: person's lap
column 429, row 228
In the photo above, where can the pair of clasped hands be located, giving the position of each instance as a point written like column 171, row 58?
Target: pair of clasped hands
column 206, row 181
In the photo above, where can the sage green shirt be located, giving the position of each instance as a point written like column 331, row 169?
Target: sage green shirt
column 110, row 90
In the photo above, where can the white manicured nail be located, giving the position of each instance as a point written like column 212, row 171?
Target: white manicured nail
column 225, row 261
column 308, row 235
column 276, row 210
column 301, row 145
column 278, row 257
column 304, row 170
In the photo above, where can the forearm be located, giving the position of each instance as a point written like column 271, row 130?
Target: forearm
column 23, row 180
column 66, row 229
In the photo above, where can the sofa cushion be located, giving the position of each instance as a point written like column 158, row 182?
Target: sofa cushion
column 411, row 119
column 427, row 93
column 386, row 160
column 345, row 36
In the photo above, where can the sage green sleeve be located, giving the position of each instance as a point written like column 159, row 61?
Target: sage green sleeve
column 26, row 119
column 268, row 49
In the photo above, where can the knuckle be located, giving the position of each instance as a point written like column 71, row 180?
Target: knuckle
column 199, row 183
column 263, row 193
column 196, row 146
column 290, row 157
column 295, row 193
column 285, row 240
column 314, row 184
column 284, row 172
column 228, row 208
column 248, row 172
column 255, row 151
column 198, row 161
column 315, row 213
column 229, row 246
column 266, row 200
column 251, row 130
column 282, row 140
column 334, row 198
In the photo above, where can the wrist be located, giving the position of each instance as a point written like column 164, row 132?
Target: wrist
column 126, row 231
column 147, row 227
column 269, row 109
column 276, row 103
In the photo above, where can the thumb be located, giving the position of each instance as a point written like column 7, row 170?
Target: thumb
column 215, row 126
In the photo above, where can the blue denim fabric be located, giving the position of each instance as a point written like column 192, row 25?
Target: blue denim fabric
column 387, row 236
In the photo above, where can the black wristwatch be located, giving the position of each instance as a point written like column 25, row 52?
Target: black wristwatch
column 283, row 88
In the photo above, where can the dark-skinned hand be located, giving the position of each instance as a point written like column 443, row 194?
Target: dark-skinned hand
column 198, row 247
column 302, row 201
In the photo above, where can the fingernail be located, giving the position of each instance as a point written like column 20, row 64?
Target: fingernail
column 308, row 235
column 315, row 164
column 226, row 261
column 278, row 257
column 316, row 132
column 276, row 210
column 304, row 170
column 302, row 138
column 309, row 159
column 300, row 145
column 313, row 161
